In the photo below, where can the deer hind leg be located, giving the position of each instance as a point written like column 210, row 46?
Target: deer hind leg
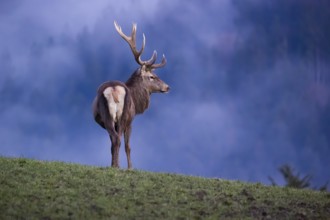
column 110, row 126
column 115, row 97
column 115, row 146
column 127, row 134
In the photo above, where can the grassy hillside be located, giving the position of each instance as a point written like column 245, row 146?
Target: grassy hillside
column 32, row 189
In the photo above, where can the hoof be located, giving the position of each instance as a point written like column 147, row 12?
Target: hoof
column 115, row 166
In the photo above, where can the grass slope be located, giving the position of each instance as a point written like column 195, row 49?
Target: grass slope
column 53, row 190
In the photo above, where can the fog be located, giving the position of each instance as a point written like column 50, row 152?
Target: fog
column 249, row 85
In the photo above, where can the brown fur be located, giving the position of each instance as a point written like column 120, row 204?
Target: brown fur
column 137, row 100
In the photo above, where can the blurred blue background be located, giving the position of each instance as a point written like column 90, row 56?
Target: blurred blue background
column 250, row 84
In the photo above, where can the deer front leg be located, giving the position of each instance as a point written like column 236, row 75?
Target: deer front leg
column 127, row 134
column 115, row 145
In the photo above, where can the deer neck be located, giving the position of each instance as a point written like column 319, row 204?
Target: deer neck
column 140, row 96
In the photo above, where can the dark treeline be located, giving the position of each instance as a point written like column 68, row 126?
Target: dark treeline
column 286, row 42
column 284, row 29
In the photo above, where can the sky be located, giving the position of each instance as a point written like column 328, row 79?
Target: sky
column 226, row 116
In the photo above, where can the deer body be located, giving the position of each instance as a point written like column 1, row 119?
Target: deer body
column 116, row 103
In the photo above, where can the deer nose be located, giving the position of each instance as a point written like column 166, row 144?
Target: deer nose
column 166, row 88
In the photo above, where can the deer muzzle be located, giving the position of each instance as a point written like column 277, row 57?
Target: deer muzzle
column 165, row 89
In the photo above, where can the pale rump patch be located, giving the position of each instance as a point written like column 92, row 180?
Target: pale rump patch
column 116, row 98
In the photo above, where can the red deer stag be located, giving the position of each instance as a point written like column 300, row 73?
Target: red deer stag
column 116, row 103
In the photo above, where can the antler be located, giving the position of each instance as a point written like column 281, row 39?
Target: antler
column 137, row 54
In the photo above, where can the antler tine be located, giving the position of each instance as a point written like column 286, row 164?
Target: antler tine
column 152, row 60
column 143, row 44
column 132, row 42
column 137, row 54
column 159, row 65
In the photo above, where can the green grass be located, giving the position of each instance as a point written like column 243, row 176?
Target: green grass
column 31, row 189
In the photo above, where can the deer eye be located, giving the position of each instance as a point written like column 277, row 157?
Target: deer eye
column 152, row 78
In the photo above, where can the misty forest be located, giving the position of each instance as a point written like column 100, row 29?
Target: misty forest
column 250, row 85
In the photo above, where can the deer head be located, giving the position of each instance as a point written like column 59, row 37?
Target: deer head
column 144, row 75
